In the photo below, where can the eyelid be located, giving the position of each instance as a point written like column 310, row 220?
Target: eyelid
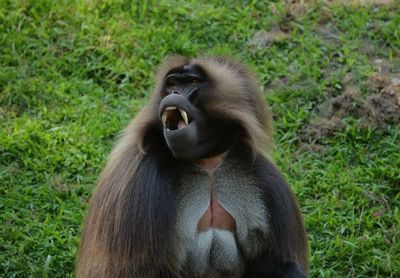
column 172, row 83
column 177, row 81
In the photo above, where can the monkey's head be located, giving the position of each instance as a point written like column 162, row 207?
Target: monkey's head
column 203, row 106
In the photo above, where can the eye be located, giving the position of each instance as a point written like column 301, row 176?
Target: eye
column 172, row 82
column 194, row 81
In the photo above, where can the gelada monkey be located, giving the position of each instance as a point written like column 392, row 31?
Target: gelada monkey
column 188, row 190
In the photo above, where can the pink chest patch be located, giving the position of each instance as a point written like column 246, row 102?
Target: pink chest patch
column 216, row 217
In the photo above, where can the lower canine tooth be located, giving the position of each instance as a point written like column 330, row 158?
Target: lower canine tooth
column 164, row 119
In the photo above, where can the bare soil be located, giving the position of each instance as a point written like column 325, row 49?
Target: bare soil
column 377, row 108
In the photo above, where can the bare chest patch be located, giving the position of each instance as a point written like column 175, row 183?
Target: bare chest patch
column 221, row 219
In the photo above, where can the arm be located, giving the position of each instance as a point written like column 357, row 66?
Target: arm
column 287, row 253
column 130, row 219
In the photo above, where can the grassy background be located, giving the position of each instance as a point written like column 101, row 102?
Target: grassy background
column 73, row 73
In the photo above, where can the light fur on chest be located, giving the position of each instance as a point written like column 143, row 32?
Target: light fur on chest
column 217, row 252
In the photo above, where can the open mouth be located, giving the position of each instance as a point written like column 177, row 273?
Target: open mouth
column 174, row 118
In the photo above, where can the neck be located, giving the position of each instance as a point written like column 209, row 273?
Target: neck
column 211, row 163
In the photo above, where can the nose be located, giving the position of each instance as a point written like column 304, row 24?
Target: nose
column 172, row 91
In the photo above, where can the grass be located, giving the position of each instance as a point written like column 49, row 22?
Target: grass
column 73, row 73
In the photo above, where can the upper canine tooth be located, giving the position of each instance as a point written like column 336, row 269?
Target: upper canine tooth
column 164, row 119
column 184, row 116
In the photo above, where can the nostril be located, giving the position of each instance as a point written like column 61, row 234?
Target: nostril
column 172, row 91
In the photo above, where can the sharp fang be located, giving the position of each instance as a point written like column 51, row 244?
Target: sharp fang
column 164, row 119
column 184, row 116
column 170, row 108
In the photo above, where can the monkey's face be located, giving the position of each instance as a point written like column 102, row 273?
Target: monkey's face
column 207, row 105
column 188, row 131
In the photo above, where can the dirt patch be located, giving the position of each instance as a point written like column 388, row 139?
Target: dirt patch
column 322, row 127
column 262, row 39
column 330, row 114
column 385, row 67
column 346, row 104
column 354, row 3
column 358, row 3
column 327, row 127
column 275, row 84
column 301, row 7
column 382, row 107
column 312, row 147
column 329, row 33
column 378, row 108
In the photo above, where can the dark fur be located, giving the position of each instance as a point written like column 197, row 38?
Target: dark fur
column 287, row 255
column 128, row 229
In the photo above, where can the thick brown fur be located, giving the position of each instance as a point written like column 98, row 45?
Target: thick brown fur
column 128, row 227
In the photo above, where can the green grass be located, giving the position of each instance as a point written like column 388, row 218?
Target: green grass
column 73, row 73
